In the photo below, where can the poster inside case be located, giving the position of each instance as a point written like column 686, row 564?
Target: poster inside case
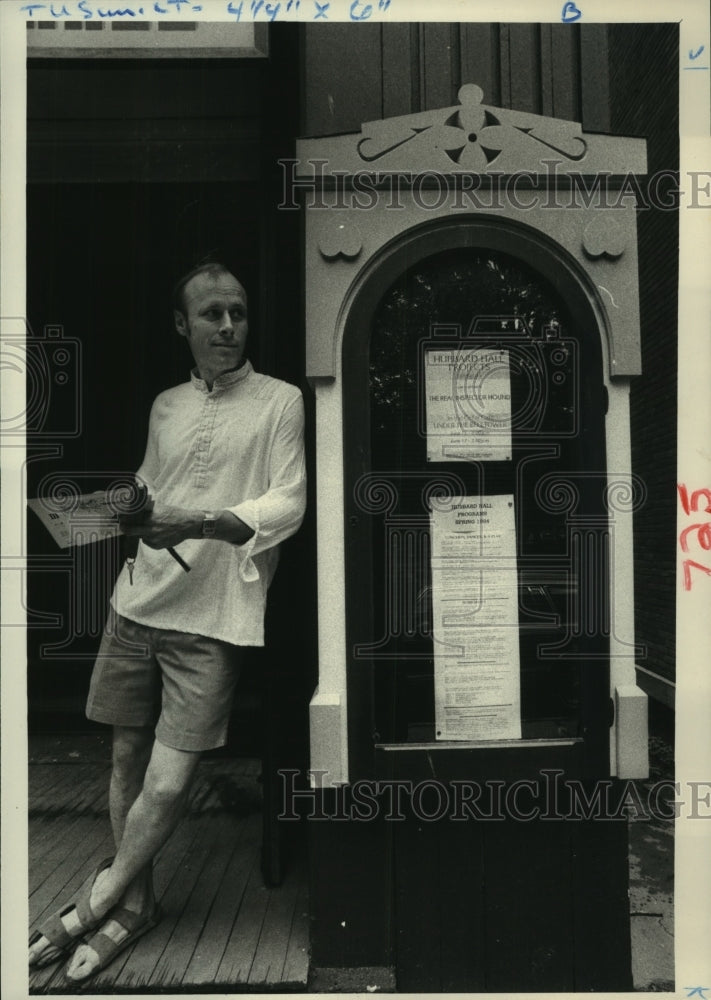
column 468, row 405
column 475, row 619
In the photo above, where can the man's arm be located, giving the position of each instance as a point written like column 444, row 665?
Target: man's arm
column 167, row 526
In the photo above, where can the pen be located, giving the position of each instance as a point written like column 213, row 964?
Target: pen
column 179, row 559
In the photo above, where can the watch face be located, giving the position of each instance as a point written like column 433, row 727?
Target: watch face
column 209, row 523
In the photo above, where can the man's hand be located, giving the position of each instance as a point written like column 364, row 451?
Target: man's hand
column 164, row 526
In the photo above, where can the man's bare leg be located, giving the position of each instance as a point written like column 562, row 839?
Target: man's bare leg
column 132, row 748
column 131, row 753
column 150, row 821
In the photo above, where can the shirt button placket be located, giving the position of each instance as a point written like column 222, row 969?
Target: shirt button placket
column 203, row 441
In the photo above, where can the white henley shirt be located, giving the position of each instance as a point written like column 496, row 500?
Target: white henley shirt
column 238, row 447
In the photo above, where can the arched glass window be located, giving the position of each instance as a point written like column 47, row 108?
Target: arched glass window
column 547, row 456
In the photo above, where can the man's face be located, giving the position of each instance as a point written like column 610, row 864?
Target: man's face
column 215, row 323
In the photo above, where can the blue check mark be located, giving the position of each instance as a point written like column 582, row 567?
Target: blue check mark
column 695, row 55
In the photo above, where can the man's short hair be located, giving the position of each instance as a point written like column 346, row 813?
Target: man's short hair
column 214, row 268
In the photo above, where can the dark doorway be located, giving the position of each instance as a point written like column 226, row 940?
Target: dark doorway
column 137, row 170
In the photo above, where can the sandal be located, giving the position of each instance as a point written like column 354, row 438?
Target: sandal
column 137, row 924
column 54, row 930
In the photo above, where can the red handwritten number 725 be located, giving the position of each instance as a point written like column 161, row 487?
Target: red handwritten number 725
column 703, row 530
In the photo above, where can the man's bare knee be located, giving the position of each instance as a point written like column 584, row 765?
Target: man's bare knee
column 165, row 795
column 169, row 778
column 131, row 751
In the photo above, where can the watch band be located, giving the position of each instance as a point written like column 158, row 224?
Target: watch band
column 209, row 524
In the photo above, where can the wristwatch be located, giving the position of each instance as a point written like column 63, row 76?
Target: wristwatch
column 209, row 524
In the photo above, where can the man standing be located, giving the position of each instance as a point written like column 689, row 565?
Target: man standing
column 225, row 466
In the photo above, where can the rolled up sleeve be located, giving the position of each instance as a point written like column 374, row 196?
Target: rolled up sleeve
column 278, row 512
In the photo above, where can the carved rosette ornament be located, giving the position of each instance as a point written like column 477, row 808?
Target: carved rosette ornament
column 471, row 136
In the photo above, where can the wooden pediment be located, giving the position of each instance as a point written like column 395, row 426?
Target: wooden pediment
column 473, row 138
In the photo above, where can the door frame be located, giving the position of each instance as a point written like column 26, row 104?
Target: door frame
column 339, row 738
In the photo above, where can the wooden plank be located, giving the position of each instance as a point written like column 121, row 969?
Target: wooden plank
column 39, row 778
column 595, row 78
column 89, row 834
column 52, row 792
column 270, row 956
column 440, row 65
column 397, row 70
column 171, row 967
column 65, row 855
column 46, row 835
column 239, row 954
column 94, row 804
column 51, row 840
column 296, row 965
column 505, row 64
column 79, row 787
column 480, row 59
column 566, row 71
column 524, row 65
column 547, row 69
column 210, row 948
column 342, row 81
column 90, row 792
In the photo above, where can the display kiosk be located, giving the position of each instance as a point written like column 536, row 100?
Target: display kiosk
column 472, row 328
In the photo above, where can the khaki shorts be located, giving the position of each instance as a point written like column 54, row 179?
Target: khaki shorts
column 181, row 683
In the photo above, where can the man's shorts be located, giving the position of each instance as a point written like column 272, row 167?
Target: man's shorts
column 184, row 681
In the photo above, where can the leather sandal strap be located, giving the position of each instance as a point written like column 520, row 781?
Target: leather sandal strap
column 128, row 918
column 54, row 930
column 105, row 947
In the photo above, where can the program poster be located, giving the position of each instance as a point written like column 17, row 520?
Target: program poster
column 468, row 405
column 475, row 607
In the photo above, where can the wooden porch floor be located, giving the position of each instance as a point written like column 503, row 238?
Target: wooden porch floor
column 222, row 930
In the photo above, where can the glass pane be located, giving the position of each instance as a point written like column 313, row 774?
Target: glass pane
column 473, row 298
